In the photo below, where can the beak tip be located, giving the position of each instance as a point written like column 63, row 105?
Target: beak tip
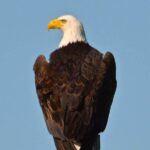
column 54, row 24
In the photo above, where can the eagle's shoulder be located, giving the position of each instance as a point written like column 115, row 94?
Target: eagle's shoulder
column 109, row 57
column 110, row 63
column 39, row 62
column 41, row 76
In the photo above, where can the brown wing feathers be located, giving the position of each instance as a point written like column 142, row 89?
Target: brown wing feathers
column 75, row 91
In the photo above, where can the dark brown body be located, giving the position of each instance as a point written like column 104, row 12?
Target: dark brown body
column 75, row 91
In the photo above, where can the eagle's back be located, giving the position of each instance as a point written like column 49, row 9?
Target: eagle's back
column 75, row 90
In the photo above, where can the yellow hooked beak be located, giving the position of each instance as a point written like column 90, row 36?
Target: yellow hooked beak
column 55, row 24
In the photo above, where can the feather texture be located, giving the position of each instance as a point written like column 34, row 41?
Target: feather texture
column 75, row 90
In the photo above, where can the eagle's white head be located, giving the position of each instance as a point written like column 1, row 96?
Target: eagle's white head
column 72, row 28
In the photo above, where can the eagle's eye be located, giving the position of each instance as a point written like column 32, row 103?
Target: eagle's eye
column 63, row 20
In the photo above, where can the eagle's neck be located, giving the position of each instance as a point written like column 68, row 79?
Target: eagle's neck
column 72, row 36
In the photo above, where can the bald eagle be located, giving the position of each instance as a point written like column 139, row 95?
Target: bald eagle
column 75, row 87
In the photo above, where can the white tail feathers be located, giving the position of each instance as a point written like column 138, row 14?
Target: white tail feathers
column 77, row 147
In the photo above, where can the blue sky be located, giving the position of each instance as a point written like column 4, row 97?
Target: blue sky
column 120, row 26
